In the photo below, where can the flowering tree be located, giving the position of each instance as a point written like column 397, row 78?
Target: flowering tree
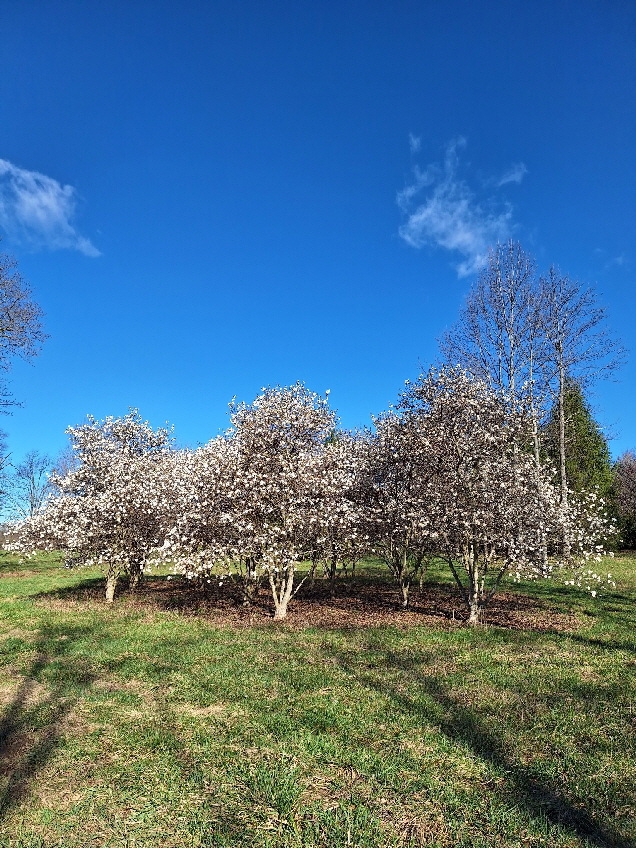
column 339, row 524
column 206, row 538
column 280, row 440
column 110, row 509
column 255, row 502
column 489, row 508
column 396, row 492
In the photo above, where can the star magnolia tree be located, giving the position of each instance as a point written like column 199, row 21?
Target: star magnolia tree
column 484, row 503
column 260, row 499
column 207, row 539
column 338, row 527
column 110, row 510
column 396, row 491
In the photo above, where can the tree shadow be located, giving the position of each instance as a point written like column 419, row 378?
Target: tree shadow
column 31, row 725
column 596, row 642
column 90, row 588
column 461, row 724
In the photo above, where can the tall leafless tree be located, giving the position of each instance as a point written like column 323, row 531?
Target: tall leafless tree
column 499, row 336
column 29, row 484
column 625, row 495
column 579, row 345
column 21, row 332
column 526, row 335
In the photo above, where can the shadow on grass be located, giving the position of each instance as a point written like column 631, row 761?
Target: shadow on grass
column 90, row 588
column 32, row 722
column 605, row 644
column 441, row 708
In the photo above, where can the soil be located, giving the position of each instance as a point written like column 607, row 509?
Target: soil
column 354, row 605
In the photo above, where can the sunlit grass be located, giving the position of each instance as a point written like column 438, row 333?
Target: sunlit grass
column 140, row 725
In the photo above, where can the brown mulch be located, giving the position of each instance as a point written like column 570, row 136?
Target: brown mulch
column 362, row 604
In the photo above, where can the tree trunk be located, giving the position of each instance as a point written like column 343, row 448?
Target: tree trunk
column 333, row 567
column 404, row 592
column 474, row 610
column 564, row 482
column 250, row 583
column 312, row 571
column 136, row 573
column 282, row 585
column 474, row 595
column 423, row 570
column 250, row 591
column 111, row 583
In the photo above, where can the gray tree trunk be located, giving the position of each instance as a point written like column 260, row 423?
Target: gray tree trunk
column 250, row 583
column 111, row 583
column 474, row 610
column 282, row 586
column 404, row 592
column 136, row 574
column 562, row 468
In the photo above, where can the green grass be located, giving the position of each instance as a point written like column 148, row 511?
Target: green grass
column 138, row 725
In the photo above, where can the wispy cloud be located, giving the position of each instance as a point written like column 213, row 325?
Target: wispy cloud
column 38, row 209
column 611, row 263
column 514, row 174
column 415, row 143
column 451, row 216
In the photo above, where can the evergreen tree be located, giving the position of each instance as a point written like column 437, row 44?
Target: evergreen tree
column 588, row 463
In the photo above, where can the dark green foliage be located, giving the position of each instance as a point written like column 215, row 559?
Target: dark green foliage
column 588, row 464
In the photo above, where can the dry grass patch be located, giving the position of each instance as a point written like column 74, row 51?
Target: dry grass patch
column 23, row 691
column 213, row 711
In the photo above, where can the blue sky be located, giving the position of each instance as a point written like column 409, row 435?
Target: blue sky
column 211, row 197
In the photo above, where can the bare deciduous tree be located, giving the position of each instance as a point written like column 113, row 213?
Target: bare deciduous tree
column 109, row 511
column 499, row 336
column 625, row 495
column 21, row 332
column 578, row 343
column 527, row 335
column 625, row 472
column 29, row 484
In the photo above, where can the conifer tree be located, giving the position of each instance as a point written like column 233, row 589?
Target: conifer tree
column 588, row 463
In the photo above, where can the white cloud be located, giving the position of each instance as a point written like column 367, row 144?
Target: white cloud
column 514, row 174
column 38, row 209
column 451, row 217
column 415, row 143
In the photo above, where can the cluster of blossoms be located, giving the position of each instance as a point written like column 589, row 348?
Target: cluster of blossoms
column 448, row 473
column 269, row 494
column 109, row 509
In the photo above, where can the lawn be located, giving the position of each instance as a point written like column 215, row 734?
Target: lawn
column 170, row 719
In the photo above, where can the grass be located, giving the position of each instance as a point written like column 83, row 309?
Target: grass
column 167, row 723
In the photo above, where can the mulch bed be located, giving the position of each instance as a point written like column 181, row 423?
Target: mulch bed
column 361, row 604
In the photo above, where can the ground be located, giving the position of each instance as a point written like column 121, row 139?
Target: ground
column 177, row 719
